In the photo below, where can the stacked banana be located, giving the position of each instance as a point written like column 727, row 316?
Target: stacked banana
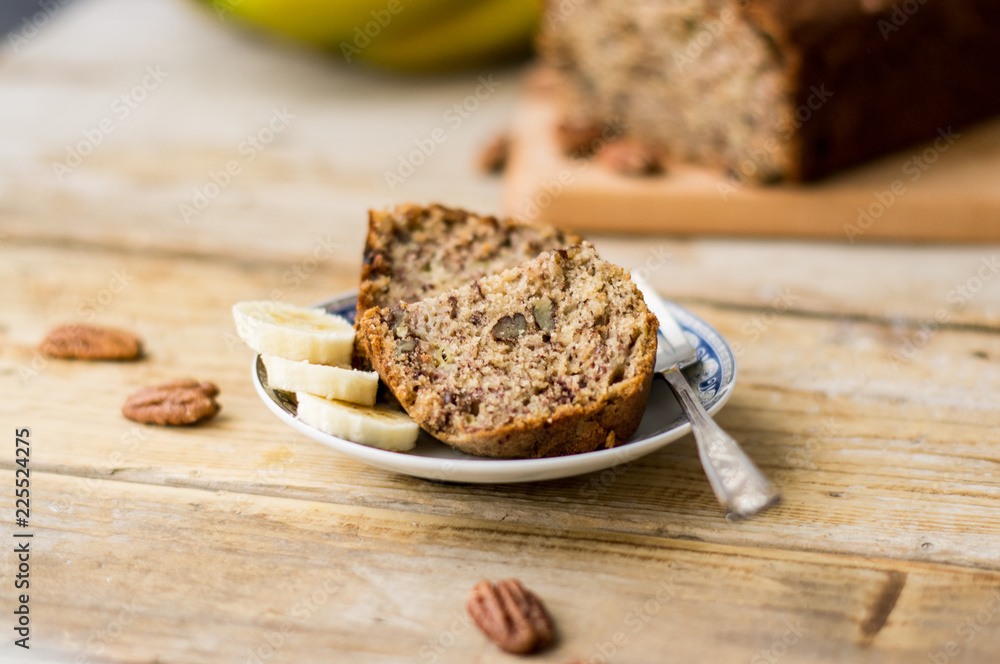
column 308, row 351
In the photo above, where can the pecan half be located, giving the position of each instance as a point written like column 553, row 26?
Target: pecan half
column 542, row 313
column 177, row 402
column 631, row 157
column 493, row 157
column 578, row 138
column 89, row 342
column 511, row 616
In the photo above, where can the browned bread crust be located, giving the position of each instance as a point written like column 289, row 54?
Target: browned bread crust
column 489, row 370
column 779, row 89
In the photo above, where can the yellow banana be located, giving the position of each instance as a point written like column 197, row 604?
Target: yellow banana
column 411, row 35
column 484, row 32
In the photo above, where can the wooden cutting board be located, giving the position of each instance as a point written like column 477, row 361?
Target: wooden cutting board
column 948, row 191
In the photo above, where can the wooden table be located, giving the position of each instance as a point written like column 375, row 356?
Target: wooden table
column 869, row 389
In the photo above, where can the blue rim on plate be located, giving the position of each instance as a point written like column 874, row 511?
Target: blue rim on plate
column 713, row 377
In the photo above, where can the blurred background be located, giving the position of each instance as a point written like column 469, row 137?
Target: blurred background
column 176, row 114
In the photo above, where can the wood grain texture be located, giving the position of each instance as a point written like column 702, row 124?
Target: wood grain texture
column 204, row 576
column 867, row 388
column 861, row 440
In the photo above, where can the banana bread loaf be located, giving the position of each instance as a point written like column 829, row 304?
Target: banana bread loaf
column 549, row 358
column 778, row 89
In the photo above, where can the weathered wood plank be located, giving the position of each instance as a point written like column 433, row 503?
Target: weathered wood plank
column 905, row 286
column 878, row 454
column 205, row 576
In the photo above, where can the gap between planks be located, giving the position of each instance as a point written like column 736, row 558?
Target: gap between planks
column 608, row 536
column 813, row 314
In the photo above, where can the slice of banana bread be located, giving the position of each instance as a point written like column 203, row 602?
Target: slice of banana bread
column 549, row 358
column 413, row 252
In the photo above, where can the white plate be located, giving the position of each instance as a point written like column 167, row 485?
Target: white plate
column 714, row 377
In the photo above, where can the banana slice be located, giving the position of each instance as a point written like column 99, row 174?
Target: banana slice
column 376, row 427
column 295, row 333
column 321, row 380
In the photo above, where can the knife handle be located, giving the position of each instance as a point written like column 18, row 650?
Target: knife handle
column 739, row 485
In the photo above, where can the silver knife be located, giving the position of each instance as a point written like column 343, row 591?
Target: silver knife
column 742, row 489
